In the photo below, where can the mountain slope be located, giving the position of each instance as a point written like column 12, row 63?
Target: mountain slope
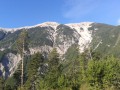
column 46, row 36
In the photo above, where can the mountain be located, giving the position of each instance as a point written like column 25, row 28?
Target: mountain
column 46, row 36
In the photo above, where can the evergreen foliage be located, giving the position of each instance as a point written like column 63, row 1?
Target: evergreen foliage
column 100, row 73
column 54, row 70
column 34, row 64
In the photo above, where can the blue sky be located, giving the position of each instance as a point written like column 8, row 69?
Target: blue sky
column 18, row 13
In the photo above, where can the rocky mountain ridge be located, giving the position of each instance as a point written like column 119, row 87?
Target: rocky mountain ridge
column 46, row 36
column 80, row 29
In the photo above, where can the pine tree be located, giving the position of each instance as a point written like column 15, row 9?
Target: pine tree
column 104, row 73
column 22, row 47
column 54, row 70
column 33, row 73
column 72, row 70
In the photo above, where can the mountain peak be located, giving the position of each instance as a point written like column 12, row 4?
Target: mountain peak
column 52, row 24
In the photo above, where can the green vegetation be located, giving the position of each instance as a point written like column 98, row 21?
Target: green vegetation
column 78, row 72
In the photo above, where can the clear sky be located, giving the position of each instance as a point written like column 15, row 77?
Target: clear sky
column 18, row 13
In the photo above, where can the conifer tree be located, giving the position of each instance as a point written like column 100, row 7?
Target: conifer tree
column 54, row 70
column 22, row 47
column 72, row 70
column 33, row 72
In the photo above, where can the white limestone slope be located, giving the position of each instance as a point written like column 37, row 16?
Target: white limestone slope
column 9, row 64
column 51, row 24
column 45, row 24
column 85, row 34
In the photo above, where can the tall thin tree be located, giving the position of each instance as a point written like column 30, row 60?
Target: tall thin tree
column 22, row 47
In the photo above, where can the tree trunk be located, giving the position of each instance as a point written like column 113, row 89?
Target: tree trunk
column 22, row 66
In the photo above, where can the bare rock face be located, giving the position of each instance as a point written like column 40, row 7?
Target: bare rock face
column 83, row 31
column 41, row 49
column 9, row 64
